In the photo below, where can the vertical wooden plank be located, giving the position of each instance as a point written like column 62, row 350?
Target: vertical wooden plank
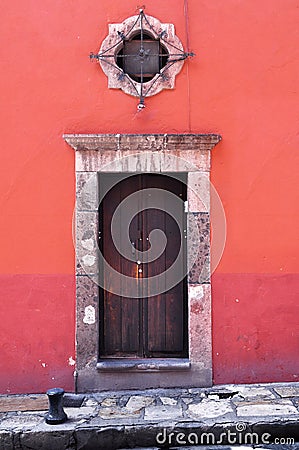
column 112, row 338
column 175, row 296
column 130, row 320
column 156, row 310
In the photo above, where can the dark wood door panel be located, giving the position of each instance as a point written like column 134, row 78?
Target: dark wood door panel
column 153, row 325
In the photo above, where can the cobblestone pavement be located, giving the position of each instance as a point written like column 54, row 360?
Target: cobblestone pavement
column 265, row 415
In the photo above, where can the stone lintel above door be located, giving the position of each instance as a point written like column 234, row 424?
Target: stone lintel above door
column 186, row 141
column 115, row 152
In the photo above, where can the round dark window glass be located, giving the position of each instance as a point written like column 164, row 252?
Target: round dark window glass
column 142, row 57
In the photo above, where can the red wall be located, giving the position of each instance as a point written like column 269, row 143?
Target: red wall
column 241, row 84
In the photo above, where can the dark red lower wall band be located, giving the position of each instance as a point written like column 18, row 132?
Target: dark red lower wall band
column 37, row 332
column 255, row 328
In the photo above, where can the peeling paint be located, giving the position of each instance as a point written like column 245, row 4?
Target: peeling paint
column 90, row 315
column 43, row 364
column 71, row 361
column 197, row 292
column 88, row 244
column 88, row 260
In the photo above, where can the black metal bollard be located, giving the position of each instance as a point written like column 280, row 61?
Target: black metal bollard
column 56, row 414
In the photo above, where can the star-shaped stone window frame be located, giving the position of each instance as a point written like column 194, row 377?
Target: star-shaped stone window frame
column 141, row 56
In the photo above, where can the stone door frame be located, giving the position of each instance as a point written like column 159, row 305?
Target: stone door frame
column 149, row 153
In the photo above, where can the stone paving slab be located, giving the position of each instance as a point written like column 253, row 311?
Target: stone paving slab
column 23, row 403
column 287, row 391
column 276, row 408
column 229, row 414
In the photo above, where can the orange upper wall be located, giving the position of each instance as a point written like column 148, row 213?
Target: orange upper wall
column 241, row 84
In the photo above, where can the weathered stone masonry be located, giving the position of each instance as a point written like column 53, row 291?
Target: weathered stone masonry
column 156, row 153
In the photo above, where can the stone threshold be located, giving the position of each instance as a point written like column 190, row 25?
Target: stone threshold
column 144, row 364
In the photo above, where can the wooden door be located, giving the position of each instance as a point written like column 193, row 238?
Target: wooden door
column 152, row 325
